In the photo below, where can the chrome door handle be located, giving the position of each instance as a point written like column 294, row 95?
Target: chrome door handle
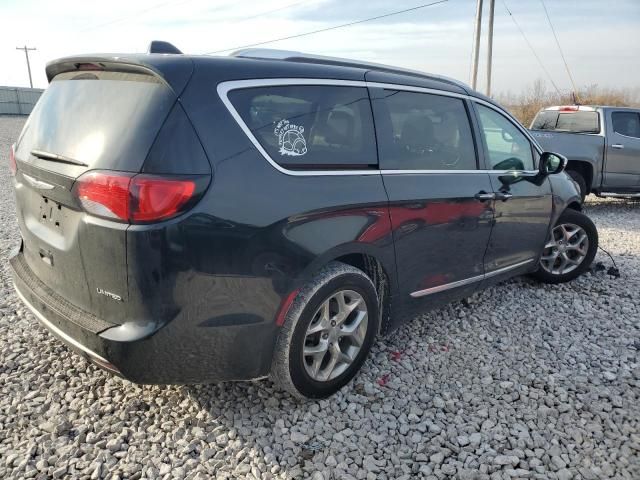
column 503, row 196
column 617, row 146
column 484, row 196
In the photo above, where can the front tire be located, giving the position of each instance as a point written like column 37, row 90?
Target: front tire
column 582, row 183
column 327, row 333
column 569, row 250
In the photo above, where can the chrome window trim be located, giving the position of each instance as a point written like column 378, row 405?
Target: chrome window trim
column 223, row 92
column 510, row 117
column 224, row 88
column 467, row 281
column 410, row 88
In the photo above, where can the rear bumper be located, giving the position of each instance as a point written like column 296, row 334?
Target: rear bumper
column 182, row 351
column 68, row 339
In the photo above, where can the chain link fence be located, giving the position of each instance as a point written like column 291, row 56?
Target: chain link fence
column 17, row 100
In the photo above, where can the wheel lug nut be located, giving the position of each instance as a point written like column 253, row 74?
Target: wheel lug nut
column 333, row 323
column 325, row 335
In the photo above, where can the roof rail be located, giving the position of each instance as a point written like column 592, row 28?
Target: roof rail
column 293, row 56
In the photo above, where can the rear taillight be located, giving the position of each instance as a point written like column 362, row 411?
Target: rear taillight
column 155, row 198
column 133, row 198
column 13, row 166
column 104, row 194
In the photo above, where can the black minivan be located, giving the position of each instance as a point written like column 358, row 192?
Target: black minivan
column 188, row 219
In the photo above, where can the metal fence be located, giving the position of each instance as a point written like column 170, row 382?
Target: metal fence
column 17, row 100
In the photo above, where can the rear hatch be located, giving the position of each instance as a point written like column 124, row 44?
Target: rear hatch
column 93, row 116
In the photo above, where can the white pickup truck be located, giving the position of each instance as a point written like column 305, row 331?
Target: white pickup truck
column 601, row 143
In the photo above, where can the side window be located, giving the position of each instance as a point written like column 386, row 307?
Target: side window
column 626, row 123
column 427, row 132
column 507, row 147
column 310, row 126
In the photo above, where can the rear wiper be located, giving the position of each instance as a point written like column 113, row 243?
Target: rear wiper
column 56, row 158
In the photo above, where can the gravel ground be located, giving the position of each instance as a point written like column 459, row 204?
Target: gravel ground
column 520, row 381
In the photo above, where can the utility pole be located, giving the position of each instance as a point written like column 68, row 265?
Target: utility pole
column 476, row 46
column 492, row 4
column 26, row 54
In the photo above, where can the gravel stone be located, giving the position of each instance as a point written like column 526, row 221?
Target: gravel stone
column 519, row 381
column 506, row 460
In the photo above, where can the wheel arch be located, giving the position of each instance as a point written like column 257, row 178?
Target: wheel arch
column 574, row 205
column 583, row 168
column 376, row 263
column 376, row 271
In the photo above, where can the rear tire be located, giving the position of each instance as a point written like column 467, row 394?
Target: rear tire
column 579, row 179
column 327, row 333
column 569, row 250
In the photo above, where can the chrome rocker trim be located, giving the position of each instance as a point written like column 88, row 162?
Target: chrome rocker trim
column 467, row 281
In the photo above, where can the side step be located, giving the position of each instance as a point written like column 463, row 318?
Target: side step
column 619, row 195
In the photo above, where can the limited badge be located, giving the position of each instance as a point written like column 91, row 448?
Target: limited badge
column 290, row 138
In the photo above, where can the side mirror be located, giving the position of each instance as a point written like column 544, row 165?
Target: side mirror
column 551, row 163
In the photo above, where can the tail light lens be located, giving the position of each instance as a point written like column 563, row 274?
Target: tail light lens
column 154, row 198
column 137, row 198
column 13, row 166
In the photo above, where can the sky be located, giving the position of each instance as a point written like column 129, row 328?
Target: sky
column 600, row 39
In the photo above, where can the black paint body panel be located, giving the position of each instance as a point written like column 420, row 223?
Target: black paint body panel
column 203, row 290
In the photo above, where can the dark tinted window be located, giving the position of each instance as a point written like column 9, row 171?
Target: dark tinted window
column 424, row 132
column 507, row 147
column 104, row 119
column 573, row 121
column 545, row 120
column 626, row 123
column 578, row 122
column 310, row 126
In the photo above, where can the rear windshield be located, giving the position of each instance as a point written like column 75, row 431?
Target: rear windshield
column 102, row 119
column 574, row 122
column 310, row 126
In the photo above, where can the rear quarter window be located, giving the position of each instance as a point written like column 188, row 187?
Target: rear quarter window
column 310, row 126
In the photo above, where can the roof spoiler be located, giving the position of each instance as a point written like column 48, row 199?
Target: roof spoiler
column 173, row 70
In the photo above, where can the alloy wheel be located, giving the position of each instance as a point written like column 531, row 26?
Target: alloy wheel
column 335, row 335
column 565, row 250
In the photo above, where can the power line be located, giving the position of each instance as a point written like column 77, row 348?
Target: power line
column 531, row 47
column 566, row 65
column 335, row 27
column 268, row 12
column 134, row 14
